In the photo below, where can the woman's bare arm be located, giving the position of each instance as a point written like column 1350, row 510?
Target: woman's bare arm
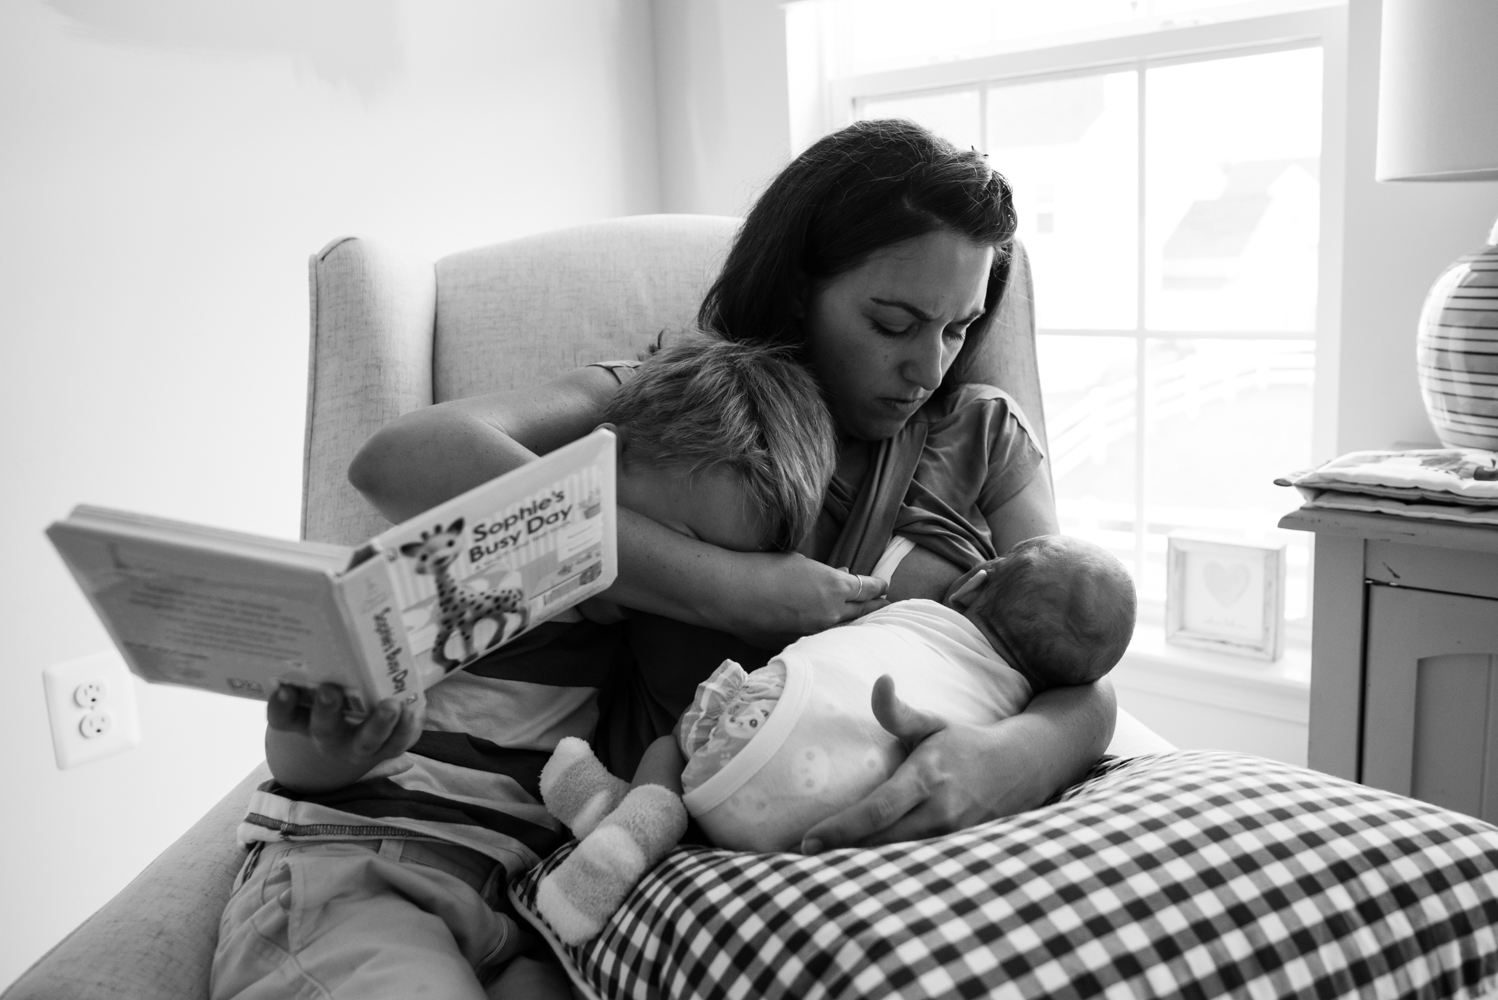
column 959, row 775
column 922, row 573
column 1030, row 512
column 431, row 455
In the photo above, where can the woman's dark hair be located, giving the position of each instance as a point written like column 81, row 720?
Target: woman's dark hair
column 851, row 194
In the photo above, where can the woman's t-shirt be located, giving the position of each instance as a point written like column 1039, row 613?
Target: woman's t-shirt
column 972, row 450
column 937, row 482
column 957, row 461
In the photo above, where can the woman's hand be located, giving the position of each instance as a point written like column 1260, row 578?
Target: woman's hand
column 768, row 599
column 786, row 596
column 320, row 747
column 960, row 775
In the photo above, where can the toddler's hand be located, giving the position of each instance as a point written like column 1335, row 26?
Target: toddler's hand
column 387, row 732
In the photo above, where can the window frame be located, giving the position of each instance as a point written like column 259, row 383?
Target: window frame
column 1148, row 44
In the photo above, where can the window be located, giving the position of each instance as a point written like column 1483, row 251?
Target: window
column 1167, row 180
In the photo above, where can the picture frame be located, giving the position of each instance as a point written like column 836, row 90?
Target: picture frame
column 1225, row 594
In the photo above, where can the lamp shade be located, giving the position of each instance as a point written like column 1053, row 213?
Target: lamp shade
column 1438, row 91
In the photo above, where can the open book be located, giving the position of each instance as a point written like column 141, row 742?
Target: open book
column 240, row 614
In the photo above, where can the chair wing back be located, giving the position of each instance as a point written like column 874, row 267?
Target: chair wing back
column 370, row 361
column 392, row 333
column 1007, row 358
column 525, row 311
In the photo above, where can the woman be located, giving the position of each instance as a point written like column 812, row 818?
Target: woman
column 881, row 252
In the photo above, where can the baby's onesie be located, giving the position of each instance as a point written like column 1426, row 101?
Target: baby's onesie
column 770, row 754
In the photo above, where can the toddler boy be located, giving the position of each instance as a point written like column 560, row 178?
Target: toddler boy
column 382, row 849
column 764, row 756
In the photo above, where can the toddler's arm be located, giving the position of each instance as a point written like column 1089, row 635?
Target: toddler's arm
column 320, row 749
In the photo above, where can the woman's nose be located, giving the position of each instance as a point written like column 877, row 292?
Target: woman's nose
column 925, row 364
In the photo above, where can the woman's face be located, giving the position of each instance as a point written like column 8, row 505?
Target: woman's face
column 883, row 335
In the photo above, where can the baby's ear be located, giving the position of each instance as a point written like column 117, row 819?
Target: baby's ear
column 966, row 587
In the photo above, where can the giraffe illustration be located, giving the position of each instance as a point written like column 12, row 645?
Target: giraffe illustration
column 460, row 607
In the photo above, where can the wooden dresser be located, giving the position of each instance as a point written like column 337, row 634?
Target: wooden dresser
column 1404, row 656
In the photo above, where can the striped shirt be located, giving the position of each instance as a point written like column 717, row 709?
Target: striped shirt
column 473, row 778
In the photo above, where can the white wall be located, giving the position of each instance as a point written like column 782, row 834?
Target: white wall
column 166, row 167
column 722, row 99
column 1397, row 238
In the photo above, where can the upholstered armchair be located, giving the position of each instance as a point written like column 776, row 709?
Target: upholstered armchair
column 390, row 333
column 1162, row 874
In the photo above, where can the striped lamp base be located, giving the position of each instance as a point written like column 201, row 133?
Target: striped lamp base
column 1458, row 351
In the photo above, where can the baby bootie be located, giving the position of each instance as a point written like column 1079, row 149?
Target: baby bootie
column 577, row 789
column 587, row 888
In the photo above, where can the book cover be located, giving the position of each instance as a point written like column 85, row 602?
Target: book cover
column 479, row 570
column 240, row 614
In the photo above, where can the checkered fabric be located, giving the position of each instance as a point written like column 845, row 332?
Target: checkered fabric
column 1188, row 874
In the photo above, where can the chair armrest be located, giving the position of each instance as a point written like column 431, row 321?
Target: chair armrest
column 155, row 939
column 1007, row 359
column 370, row 360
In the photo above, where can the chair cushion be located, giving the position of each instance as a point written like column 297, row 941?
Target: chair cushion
column 1177, row 874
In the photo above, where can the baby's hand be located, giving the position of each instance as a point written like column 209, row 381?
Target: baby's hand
column 387, row 732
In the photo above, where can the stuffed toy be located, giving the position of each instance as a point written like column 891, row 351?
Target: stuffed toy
column 623, row 833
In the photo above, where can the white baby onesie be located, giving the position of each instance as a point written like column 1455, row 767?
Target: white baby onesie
column 820, row 748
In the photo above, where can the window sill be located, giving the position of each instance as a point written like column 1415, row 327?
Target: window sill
column 1278, row 690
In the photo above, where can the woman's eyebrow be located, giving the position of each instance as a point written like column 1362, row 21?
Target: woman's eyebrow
column 920, row 314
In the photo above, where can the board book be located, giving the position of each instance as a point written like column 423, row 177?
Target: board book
column 240, row 614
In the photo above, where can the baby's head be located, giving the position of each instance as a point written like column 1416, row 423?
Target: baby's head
column 1058, row 609
column 731, row 443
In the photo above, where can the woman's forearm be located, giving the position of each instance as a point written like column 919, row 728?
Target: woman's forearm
column 768, row 599
column 428, row 456
column 431, row 455
column 667, row 573
column 1064, row 732
column 958, row 775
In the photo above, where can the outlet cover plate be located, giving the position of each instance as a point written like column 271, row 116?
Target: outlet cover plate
column 110, row 707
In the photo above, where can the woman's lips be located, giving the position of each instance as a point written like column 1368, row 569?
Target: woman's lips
column 903, row 405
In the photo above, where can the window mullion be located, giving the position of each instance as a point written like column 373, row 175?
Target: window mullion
column 1141, row 396
column 983, row 118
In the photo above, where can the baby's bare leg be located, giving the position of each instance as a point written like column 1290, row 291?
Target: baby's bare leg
column 661, row 765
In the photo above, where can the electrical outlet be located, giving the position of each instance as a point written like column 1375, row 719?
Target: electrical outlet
column 91, row 705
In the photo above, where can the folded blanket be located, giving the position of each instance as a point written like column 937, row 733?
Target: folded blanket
column 1441, row 475
column 1461, row 513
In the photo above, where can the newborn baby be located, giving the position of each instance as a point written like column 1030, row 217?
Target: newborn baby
column 769, row 754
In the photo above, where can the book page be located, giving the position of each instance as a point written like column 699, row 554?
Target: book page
column 185, row 615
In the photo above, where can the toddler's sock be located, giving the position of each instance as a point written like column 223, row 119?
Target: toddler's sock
column 588, row 887
column 577, row 789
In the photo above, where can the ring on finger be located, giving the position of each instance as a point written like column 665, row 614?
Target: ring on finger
column 859, row 595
